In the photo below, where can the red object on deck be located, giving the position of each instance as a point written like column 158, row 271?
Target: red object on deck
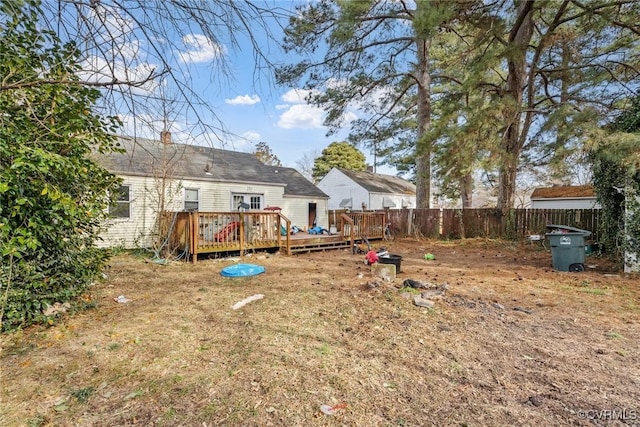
column 272, row 208
column 224, row 234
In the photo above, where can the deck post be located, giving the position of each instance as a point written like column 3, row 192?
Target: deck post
column 242, row 230
column 193, row 237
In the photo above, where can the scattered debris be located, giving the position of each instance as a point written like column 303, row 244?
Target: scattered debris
column 432, row 294
column 429, row 256
column 161, row 261
column 498, row 306
column 56, row 308
column 331, row 410
column 524, row 310
column 443, row 328
column 121, row 299
column 246, row 301
column 373, row 285
column 422, row 302
column 535, row 401
column 371, row 257
column 410, row 283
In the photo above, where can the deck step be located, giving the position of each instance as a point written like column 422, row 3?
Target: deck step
column 320, row 247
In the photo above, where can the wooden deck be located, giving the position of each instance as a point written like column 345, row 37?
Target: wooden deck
column 217, row 232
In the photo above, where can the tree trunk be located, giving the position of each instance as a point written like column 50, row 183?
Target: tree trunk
column 466, row 191
column 512, row 142
column 423, row 146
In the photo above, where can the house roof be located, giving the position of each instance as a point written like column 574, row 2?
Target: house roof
column 380, row 183
column 564, row 192
column 147, row 157
column 296, row 183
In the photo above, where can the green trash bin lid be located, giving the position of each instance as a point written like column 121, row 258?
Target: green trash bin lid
column 563, row 229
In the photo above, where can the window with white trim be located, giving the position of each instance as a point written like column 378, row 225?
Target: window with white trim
column 247, row 201
column 122, row 207
column 191, row 199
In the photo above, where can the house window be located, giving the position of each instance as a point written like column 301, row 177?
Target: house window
column 255, row 202
column 247, row 201
column 191, row 199
column 122, row 207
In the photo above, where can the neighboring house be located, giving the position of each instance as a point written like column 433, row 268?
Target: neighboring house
column 565, row 197
column 365, row 190
column 162, row 176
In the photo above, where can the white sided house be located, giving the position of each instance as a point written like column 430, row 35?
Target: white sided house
column 365, row 190
column 166, row 177
column 564, row 197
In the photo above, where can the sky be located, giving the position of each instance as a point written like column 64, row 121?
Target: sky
column 247, row 101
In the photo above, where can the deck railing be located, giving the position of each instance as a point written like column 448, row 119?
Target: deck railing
column 209, row 232
column 365, row 224
column 206, row 232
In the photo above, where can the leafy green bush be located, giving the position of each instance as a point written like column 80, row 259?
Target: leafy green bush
column 53, row 196
column 615, row 160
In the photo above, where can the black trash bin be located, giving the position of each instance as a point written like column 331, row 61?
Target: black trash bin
column 567, row 247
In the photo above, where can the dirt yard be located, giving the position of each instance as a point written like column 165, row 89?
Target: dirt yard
column 509, row 343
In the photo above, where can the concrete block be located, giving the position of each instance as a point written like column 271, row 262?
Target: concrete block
column 384, row 271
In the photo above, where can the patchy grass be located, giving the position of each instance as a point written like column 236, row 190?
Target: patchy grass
column 511, row 342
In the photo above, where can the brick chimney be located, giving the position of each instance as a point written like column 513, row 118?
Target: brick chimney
column 165, row 137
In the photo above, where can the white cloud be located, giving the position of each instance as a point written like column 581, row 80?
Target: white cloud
column 251, row 136
column 200, row 49
column 349, row 116
column 296, row 96
column 334, row 83
column 129, row 50
column 242, row 142
column 111, row 19
column 97, row 69
column 301, row 116
column 243, row 100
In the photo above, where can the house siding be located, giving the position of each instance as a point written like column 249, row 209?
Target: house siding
column 135, row 232
column 296, row 208
column 217, row 175
column 218, row 195
column 339, row 187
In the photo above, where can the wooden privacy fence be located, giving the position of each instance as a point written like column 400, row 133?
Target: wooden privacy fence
column 487, row 223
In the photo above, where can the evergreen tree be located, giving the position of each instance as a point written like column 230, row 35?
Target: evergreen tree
column 376, row 55
column 341, row 155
